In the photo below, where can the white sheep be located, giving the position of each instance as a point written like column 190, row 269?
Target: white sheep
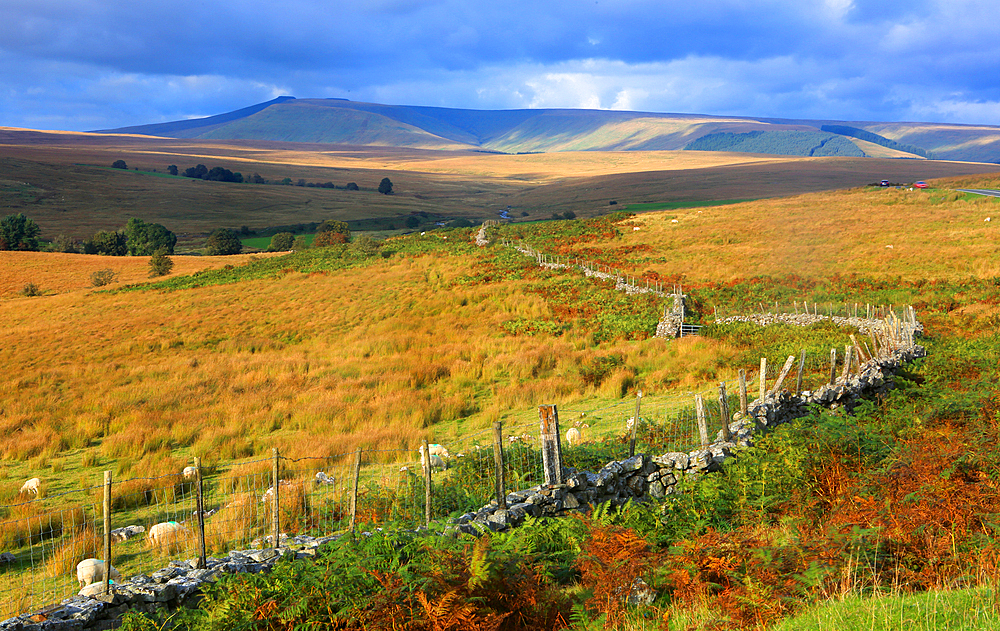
column 31, row 486
column 573, row 436
column 165, row 533
column 323, row 478
column 439, row 450
column 190, row 473
column 437, row 462
column 91, row 571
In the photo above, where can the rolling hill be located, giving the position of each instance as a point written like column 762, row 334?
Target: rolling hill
column 338, row 121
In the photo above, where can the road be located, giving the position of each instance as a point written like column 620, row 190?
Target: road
column 978, row 191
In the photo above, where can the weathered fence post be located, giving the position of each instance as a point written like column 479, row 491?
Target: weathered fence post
column 848, row 355
column 743, row 391
column 498, row 477
column 699, row 407
column 548, row 417
column 726, row 417
column 276, row 517
column 763, row 377
column 426, row 458
column 784, row 373
column 833, row 366
column 199, row 489
column 107, row 532
column 354, row 489
column 635, row 424
column 802, row 365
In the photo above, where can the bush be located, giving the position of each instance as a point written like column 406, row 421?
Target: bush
column 160, row 264
column 351, row 186
column 31, row 289
column 223, row 242
column 281, row 242
column 323, row 239
column 103, row 277
column 365, row 246
column 119, row 164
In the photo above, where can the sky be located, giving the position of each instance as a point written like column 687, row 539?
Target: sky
column 96, row 64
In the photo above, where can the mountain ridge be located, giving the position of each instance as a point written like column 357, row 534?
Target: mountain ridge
column 343, row 122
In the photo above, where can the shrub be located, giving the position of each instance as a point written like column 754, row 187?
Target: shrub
column 119, row 164
column 103, row 277
column 160, row 264
column 323, row 239
column 223, row 242
column 281, row 242
column 31, row 289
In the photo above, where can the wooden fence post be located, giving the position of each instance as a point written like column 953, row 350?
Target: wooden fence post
column 275, row 517
column 763, row 377
column 498, row 477
column 354, row 489
column 833, row 366
column 743, row 391
column 107, row 532
column 848, row 355
column 548, row 417
column 199, row 489
column 635, row 424
column 427, row 482
column 726, row 417
column 699, row 407
column 802, row 365
column 784, row 373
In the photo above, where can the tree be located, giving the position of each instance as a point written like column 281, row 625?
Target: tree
column 351, row 186
column 17, row 232
column 332, row 225
column 323, row 239
column 219, row 174
column 365, row 247
column 300, row 243
column 281, row 242
column 63, row 243
column 172, row 169
column 197, row 172
column 222, row 242
column 144, row 239
column 108, row 243
column 119, row 164
column 160, row 264
column 385, row 186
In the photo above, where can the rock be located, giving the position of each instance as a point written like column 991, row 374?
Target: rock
column 641, row 593
column 570, row 501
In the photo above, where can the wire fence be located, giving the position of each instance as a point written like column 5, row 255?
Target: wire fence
column 254, row 504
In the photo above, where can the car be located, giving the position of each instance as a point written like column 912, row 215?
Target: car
column 921, row 185
column 884, row 183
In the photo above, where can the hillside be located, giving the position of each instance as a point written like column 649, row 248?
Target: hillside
column 338, row 121
column 429, row 337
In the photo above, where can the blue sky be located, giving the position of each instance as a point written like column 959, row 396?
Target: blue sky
column 92, row 64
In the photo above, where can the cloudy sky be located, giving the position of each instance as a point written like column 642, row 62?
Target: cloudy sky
column 92, row 64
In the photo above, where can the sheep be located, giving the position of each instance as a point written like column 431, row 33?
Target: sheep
column 439, row 450
column 437, row 462
column 165, row 533
column 92, row 571
column 93, row 590
column 323, row 478
column 190, row 473
column 573, row 436
column 32, row 486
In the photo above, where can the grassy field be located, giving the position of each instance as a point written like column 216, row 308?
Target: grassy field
column 429, row 337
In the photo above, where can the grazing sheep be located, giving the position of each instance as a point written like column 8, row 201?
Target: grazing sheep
column 573, row 436
column 437, row 462
column 439, row 450
column 323, row 478
column 126, row 532
column 190, row 473
column 31, row 486
column 165, row 533
column 93, row 590
column 92, row 571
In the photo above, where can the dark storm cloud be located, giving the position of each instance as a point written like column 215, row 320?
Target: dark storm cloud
column 81, row 64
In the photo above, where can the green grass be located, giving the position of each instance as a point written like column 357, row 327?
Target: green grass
column 959, row 610
column 650, row 206
column 263, row 243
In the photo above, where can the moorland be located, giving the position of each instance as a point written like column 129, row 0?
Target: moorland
column 427, row 336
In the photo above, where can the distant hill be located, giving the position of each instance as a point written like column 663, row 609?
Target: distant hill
column 338, row 121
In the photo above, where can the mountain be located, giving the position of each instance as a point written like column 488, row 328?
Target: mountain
column 338, row 121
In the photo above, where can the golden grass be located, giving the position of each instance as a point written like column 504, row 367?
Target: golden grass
column 887, row 232
column 83, row 544
column 57, row 273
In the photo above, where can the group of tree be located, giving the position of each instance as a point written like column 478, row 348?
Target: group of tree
column 215, row 174
column 223, row 242
column 138, row 238
column 17, row 232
